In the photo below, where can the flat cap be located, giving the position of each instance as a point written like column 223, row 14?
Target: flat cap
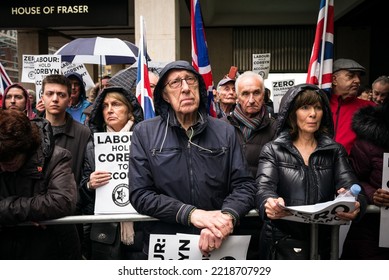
column 225, row 81
column 348, row 64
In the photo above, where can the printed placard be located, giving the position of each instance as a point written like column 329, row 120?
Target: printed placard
column 321, row 213
column 45, row 65
column 79, row 68
column 185, row 247
column 112, row 152
column 261, row 64
column 384, row 225
column 279, row 89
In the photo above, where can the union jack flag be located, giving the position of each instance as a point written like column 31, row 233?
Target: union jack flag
column 5, row 80
column 320, row 65
column 200, row 60
column 143, row 90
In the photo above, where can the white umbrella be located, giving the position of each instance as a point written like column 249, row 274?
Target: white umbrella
column 99, row 50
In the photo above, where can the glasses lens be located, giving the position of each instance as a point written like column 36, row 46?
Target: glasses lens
column 190, row 80
column 175, row 83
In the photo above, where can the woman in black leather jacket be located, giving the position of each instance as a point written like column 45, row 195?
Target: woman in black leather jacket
column 302, row 166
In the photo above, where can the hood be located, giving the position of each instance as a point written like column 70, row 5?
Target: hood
column 96, row 119
column 371, row 123
column 28, row 108
column 160, row 105
column 287, row 103
column 81, row 81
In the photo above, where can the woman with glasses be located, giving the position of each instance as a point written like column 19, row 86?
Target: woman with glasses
column 186, row 168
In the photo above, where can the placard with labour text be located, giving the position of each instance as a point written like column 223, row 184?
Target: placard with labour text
column 261, row 64
column 112, row 152
column 186, row 247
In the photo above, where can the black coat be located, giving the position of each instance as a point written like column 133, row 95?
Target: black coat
column 283, row 173
column 371, row 125
column 172, row 172
column 44, row 188
column 252, row 147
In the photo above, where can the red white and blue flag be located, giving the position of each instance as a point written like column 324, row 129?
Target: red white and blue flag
column 5, row 80
column 200, row 60
column 320, row 65
column 143, row 90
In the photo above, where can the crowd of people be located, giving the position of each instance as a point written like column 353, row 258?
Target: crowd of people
column 192, row 172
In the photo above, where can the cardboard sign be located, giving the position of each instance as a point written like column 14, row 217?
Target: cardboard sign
column 261, row 64
column 279, row 90
column 384, row 225
column 68, row 68
column 45, row 65
column 322, row 213
column 186, row 247
column 112, row 151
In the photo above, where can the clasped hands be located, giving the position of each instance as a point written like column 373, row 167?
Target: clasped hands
column 215, row 227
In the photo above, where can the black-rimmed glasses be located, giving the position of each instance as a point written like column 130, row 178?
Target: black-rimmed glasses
column 177, row 83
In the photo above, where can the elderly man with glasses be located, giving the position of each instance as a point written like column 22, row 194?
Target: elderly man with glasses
column 187, row 168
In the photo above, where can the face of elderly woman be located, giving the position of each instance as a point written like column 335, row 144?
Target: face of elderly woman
column 115, row 112
column 309, row 118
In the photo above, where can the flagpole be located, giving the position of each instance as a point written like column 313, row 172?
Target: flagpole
column 143, row 90
column 323, row 43
column 141, row 47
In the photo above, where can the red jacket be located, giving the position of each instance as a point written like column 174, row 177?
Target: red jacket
column 342, row 113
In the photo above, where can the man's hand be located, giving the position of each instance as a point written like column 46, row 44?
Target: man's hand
column 208, row 242
column 381, row 197
column 221, row 225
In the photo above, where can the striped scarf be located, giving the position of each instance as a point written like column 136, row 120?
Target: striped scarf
column 248, row 125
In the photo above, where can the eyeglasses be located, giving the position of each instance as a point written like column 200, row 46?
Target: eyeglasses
column 177, row 83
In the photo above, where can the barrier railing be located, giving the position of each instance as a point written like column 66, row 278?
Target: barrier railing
column 106, row 218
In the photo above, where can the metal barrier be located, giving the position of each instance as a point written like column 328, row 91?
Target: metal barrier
column 106, row 218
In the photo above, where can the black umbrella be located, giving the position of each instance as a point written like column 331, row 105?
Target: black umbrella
column 126, row 78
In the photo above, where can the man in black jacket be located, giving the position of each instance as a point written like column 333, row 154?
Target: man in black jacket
column 186, row 168
column 254, row 128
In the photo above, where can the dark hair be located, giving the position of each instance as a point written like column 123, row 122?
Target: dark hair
column 363, row 88
column 267, row 95
column 306, row 97
column 18, row 135
column 57, row 79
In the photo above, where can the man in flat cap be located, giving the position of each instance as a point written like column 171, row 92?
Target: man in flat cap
column 346, row 79
column 226, row 96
